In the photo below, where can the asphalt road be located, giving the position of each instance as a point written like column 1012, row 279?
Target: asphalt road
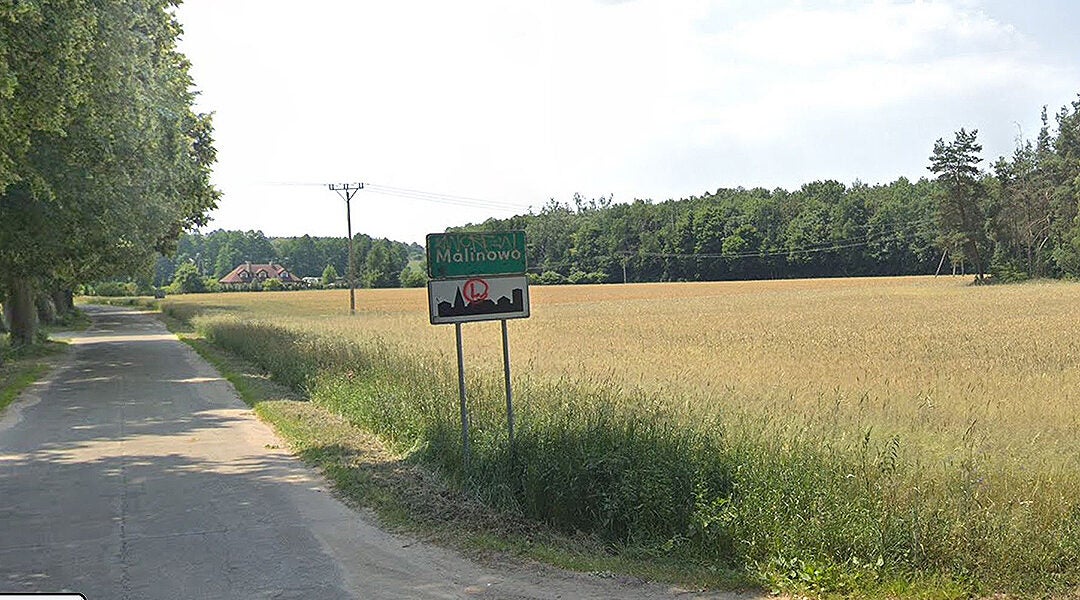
column 134, row 471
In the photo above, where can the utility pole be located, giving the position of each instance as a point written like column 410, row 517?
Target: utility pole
column 347, row 191
column 625, row 259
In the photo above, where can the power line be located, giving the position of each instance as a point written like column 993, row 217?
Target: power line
column 290, row 184
column 474, row 202
column 450, row 201
column 441, row 197
column 760, row 254
column 831, row 245
column 415, row 194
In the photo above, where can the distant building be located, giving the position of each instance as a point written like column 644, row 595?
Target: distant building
column 248, row 273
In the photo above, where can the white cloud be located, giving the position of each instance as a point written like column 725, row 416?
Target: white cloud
column 854, row 32
column 772, row 73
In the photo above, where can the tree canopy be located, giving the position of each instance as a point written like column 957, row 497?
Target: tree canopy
column 823, row 229
column 960, row 193
column 102, row 159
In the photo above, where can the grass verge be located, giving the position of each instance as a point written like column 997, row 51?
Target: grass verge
column 22, row 366
column 406, row 496
column 136, row 301
column 76, row 320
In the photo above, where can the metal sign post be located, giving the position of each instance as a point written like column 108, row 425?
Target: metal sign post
column 461, row 395
column 478, row 277
column 509, row 393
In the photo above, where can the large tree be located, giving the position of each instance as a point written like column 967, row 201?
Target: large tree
column 117, row 167
column 961, row 193
column 1064, row 173
column 1023, row 215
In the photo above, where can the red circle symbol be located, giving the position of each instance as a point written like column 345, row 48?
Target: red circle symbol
column 475, row 290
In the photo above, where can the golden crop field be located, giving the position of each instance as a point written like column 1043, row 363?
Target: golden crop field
column 923, row 355
column 835, row 430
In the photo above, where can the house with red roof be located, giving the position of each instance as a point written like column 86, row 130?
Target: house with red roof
column 248, row 273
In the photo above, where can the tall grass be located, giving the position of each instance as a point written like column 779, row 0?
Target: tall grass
column 850, row 489
column 825, row 436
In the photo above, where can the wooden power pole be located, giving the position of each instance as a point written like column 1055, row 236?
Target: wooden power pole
column 347, row 191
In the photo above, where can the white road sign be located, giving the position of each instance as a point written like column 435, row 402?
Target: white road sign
column 478, row 299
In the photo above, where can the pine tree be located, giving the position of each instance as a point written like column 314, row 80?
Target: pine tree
column 960, row 215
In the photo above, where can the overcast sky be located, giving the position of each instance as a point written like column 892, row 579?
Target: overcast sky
column 512, row 103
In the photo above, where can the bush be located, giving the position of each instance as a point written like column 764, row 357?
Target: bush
column 273, row 285
column 551, row 278
column 113, row 289
column 412, row 277
column 329, row 275
column 187, row 280
column 577, row 277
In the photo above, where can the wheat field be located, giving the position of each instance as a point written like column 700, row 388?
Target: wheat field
column 922, row 355
column 841, row 430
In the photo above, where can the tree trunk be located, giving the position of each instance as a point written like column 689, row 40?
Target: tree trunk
column 64, row 301
column 3, row 324
column 46, row 310
column 23, row 314
column 972, row 243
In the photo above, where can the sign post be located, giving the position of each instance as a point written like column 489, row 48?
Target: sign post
column 509, row 393
column 461, row 396
column 478, row 277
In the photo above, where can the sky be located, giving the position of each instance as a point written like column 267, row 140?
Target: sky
column 455, row 112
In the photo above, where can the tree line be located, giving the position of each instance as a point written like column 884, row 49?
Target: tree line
column 1013, row 221
column 380, row 262
column 103, row 161
column 1019, row 219
column 823, row 229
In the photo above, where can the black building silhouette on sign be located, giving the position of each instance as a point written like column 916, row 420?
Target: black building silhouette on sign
column 483, row 307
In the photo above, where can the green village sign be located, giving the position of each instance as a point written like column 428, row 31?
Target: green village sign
column 467, row 254
column 478, row 277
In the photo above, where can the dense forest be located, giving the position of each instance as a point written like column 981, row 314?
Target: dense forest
column 1015, row 220
column 823, row 229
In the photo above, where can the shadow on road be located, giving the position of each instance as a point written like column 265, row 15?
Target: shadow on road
column 137, row 472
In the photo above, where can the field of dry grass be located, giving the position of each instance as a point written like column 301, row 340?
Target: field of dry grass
column 848, row 432
column 926, row 356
